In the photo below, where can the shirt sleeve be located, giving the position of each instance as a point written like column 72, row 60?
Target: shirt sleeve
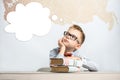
column 90, row 65
column 54, row 54
column 87, row 63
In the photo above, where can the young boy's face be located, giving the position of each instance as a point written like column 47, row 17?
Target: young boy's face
column 71, row 38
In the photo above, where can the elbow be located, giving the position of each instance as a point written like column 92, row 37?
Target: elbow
column 91, row 68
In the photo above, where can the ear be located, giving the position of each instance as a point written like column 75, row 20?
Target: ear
column 77, row 46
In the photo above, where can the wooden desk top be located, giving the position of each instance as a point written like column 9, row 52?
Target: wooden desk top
column 59, row 76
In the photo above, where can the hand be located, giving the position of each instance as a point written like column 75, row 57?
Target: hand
column 60, row 43
column 62, row 46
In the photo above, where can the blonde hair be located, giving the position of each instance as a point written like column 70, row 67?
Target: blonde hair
column 77, row 27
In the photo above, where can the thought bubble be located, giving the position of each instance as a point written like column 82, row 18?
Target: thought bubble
column 29, row 20
column 54, row 17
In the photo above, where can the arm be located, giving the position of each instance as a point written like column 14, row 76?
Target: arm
column 54, row 53
column 90, row 65
column 86, row 63
column 58, row 52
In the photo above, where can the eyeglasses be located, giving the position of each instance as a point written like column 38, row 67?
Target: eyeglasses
column 71, row 36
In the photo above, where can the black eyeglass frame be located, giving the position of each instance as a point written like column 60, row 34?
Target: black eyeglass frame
column 72, row 36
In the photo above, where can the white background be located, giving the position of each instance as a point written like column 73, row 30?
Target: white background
column 101, row 45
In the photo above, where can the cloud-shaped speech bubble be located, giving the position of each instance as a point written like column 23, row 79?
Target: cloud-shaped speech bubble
column 29, row 20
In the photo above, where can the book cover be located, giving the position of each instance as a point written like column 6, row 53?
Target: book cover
column 64, row 69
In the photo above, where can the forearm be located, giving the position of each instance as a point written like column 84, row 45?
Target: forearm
column 73, row 62
column 90, row 68
column 61, row 52
column 90, row 65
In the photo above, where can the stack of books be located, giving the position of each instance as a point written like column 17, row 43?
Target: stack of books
column 64, row 65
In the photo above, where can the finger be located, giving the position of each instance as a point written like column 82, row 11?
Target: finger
column 60, row 41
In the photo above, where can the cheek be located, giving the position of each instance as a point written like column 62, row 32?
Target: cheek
column 72, row 44
column 63, row 38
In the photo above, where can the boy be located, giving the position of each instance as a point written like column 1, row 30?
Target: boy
column 69, row 45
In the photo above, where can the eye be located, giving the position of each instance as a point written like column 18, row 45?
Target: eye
column 68, row 34
column 74, row 37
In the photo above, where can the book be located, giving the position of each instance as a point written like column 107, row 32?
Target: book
column 64, row 65
column 56, row 61
column 64, row 69
column 65, row 61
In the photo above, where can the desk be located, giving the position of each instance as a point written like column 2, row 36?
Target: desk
column 59, row 76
